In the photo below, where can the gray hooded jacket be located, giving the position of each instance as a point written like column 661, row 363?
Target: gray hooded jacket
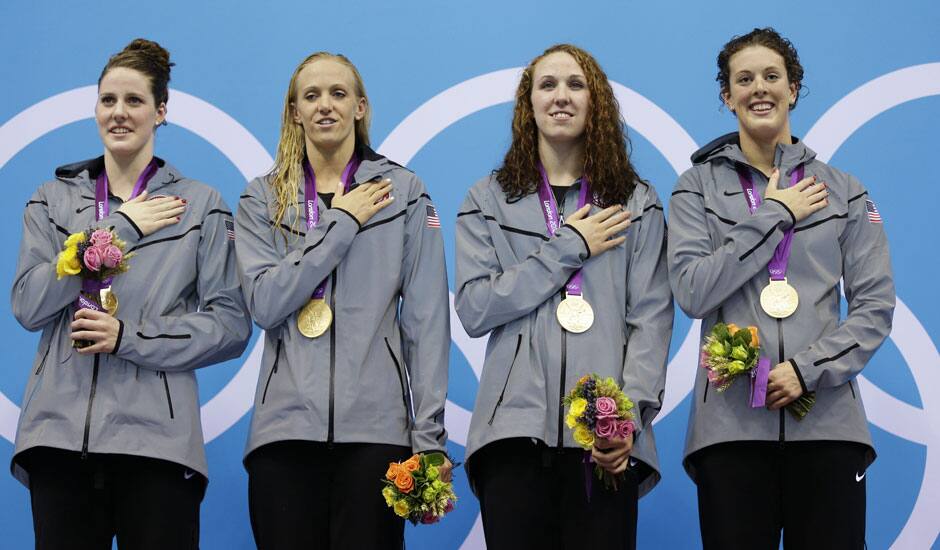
column 379, row 374
column 510, row 278
column 718, row 256
column 180, row 309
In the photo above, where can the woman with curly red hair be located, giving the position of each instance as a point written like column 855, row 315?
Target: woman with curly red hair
column 561, row 260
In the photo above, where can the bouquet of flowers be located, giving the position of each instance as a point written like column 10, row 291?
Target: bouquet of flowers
column 96, row 256
column 598, row 408
column 414, row 490
column 729, row 352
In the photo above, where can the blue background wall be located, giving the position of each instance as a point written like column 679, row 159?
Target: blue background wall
column 239, row 59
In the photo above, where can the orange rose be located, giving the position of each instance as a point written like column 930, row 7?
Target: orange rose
column 393, row 469
column 732, row 329
column 412, row 464
column 755, row 341
column 404, row 482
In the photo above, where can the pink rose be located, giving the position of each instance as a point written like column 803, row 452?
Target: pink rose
column 92, row 258
column 606, row 427
column 606, row 407
column 112, row 256
column 625, row 428
column 100, row 237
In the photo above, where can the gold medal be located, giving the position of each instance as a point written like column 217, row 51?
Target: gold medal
column 779, row 299
column 314, row 318
column 574, row 314
column 109, row 301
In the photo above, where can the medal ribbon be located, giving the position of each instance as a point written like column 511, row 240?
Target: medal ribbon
column 553, row 220
column 102, row 209
column 313, row 211
column 778, row 264
column 778, row 271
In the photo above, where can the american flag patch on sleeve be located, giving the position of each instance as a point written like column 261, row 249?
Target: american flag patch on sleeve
column 433, row 220
column 230, row 230
column 873, row 215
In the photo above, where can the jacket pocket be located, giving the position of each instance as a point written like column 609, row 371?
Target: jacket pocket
column 401, row 381
column 705, row 393
column 42, row 362
column 166, row 387
column 502, row 392
column 852, row 388
column 277, row 355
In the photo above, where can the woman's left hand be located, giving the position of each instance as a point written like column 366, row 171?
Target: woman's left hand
column 613, row 454
column 783, row 386
column 445, row 470
column 97, row 327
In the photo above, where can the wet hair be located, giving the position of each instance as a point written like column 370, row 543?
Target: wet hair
column 769, row 38
column 292, row 147
column 148, row 58
column 606, row 160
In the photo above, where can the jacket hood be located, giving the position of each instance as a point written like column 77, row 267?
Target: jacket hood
column 728, row 147
column 84, row 173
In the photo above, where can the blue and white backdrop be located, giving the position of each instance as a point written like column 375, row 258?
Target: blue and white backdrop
column 441, row 77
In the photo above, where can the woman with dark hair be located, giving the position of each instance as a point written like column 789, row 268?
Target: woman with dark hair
column 342, row 263
column 109, row 440
column 565, row 219
column 760, row 234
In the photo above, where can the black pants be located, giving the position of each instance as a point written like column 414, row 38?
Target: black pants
column 83, row 503
column 307, row 495
column 812, row 490
column 533, row 497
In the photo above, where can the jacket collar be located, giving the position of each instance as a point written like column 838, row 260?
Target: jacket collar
column 84, row 173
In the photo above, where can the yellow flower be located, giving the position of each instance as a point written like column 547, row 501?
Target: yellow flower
column 571, row 421
column 736, row 367
column 584, row 436
column 577, row 407
column 67, row 263
column 389, row 493
column 739, row 353
column 74, row 240
column 402, row 509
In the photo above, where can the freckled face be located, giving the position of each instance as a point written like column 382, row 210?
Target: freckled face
column 560, row 97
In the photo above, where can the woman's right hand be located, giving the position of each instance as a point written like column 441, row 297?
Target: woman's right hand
column 154, row 214
column 600, row 230
column 802, row 199
column 364, row 201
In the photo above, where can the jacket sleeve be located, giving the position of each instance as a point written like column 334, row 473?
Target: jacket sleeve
column 869, row 289
column 649, row 314
column 425, row 321
column 490, row 295
column 220, row 327
column 276, row 285
column 702, row 277
column 38, row 296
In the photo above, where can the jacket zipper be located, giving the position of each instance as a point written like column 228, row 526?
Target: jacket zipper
column 166, row 386
column 783, row 418
column 401, row 382
column 277, row 355
column 561, row 385
column 506, row 383
column 91, row 400
column 329, row 434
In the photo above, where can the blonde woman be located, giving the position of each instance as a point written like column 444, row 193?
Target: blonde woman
column 342, row 263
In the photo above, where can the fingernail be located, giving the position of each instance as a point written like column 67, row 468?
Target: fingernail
column 184, row 201
column 177, row 218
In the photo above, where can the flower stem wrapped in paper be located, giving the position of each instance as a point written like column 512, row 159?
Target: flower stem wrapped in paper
column 598, row 408
column 729, row 352
column 96, row 256
column 414, row 491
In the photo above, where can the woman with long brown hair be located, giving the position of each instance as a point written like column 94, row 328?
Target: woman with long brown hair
column 342, row 263
column 565, row 220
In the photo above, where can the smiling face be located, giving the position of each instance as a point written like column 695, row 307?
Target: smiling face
column 561, row 101
column 760, row 94
column 126, row 113
column 326, row 104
